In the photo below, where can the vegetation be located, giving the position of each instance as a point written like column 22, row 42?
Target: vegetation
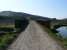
column 7, row 26
column 53, row 33
column 6, row 39
column 7, row 34
column 59, row 23
column 21, row 23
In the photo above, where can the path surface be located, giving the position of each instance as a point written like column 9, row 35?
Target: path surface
column 34, row 38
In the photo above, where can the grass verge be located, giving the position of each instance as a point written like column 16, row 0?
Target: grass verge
column 6, row 39
column 59, row 39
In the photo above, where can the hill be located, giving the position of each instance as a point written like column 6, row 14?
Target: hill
column 21, row 15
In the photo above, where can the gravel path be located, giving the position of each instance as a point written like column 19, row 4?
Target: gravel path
column 34, row 38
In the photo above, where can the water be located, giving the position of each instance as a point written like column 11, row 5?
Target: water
column 62, row 31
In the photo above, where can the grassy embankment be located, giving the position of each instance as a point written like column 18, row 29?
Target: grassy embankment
column 6, row 39
column 62, row 41
column 10, row 32
column 6, row 36
column 52, row 33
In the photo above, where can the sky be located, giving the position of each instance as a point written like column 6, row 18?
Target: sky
column 45, row 8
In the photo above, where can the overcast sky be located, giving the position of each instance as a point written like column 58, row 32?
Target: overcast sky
column 48, row 8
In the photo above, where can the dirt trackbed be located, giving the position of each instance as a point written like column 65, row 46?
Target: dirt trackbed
column 34, row 38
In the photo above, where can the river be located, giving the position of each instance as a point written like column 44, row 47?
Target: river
column 62, row 31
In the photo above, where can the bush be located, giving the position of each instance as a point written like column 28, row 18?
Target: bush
column 22, row 24
column 6, row 29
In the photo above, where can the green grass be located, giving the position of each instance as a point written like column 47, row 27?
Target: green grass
column 59, row 39
column 6, row 39
column 7, row 26
column 63, row 41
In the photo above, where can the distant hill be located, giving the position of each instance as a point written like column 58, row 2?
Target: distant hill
column 21, row 16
